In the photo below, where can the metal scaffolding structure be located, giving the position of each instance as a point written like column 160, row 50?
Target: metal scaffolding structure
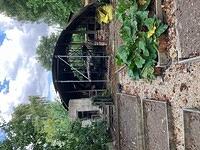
column 81, row 67
column 85, row 71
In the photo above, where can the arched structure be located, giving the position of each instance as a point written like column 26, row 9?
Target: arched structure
column 80, row 68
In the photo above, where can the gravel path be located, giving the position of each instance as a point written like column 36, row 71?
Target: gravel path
column 180, row 88
column 180, row 85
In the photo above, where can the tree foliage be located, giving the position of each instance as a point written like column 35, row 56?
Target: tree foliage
column 45, row 50
column 25, row 126
column 94, row 137
column 49, row 11
column 45, row 125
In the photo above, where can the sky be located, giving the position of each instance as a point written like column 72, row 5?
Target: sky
column 2, row 135
column 20, row 73
column 2, row 37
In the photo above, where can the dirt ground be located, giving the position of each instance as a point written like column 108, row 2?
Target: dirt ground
column 180, row 85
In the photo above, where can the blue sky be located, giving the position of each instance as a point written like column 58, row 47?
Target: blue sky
column 2, row 36
column 20, row 73
column 2, row 135
column 4, row 86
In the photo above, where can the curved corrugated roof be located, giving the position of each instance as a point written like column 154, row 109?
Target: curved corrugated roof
column 62, row 47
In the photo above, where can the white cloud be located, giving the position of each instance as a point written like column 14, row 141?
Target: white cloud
column 18, row 64
column 53, row 95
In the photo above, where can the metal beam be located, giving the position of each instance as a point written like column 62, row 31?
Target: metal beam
column 64, row 56
column 189, row 60
column 79, row 81
column 73, row 68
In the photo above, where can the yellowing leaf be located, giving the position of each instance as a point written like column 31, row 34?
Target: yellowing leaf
column 105, row 14
column 151, row 32
column 102, row 18
column 142, row 2
column 109, row 11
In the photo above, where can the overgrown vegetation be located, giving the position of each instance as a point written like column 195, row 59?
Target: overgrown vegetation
column 140, row 33
column 49, row 11
column 45, row 50
column 76, row 50
column 46, row 125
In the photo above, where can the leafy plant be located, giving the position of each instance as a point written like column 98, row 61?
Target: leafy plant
column 45, row 49
column 49, row 11
column 140, row 34
column 42, row 124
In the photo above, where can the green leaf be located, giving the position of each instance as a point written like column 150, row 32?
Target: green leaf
column 120, row 16
column 133, row 9
column 146, row 52
column 153, row 54
column 149, row 23
column 126, row 29
column 161, row 29
column 139, row 61
column 118, row 60
column 122, row 6
column 142, row 15
column 152, row 49
column 134, row 30
column 134, row 73
column 142, row 46
column 123, row 54
column 148, row 71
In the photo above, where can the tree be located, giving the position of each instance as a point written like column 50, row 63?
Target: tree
column 92, row 137
column 25, row 126
column 57, row 125
column 45, row 50
column 45, row 125
column 49, row 11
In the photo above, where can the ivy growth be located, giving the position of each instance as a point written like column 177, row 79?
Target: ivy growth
column 140, row 34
